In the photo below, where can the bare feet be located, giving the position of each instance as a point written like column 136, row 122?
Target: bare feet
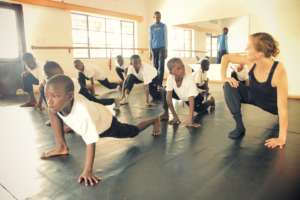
column 56, row 152
column 156, row 127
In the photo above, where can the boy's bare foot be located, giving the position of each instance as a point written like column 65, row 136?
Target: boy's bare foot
column 56, row 152
column 156, row 127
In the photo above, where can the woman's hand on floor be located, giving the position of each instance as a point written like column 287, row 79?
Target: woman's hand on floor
column 275, row 142
column 88, row 178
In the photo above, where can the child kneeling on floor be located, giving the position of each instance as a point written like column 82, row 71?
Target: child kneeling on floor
column 88, row 119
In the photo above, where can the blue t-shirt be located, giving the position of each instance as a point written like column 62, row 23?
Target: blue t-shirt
column 158, row 36
column 222, row 43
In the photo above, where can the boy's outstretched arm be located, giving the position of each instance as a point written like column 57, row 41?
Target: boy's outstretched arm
column 87, row 174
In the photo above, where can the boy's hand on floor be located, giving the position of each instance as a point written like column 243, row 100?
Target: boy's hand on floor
column 88, row 179
column 274, row 142
column 192, row 125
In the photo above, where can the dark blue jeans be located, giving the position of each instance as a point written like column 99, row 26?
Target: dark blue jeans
column 158, row 56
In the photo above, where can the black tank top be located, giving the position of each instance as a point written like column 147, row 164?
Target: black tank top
column 263, row 94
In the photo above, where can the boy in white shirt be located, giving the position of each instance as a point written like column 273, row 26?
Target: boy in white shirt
column 182, row 86
column 92, row 73
column 121, row 69
column 31, row 76
column 88, row 119
column 140, row 73
column 240, row 73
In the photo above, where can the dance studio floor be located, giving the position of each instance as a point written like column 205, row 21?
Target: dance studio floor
column 181, row 164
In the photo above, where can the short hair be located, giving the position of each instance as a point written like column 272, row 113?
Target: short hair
column 62, row 81
column 27, row 56
column 225, row 28
column 174, row 61
column 157, row 13
column 135, row 57
column 119, row 56
column 52, row 68
column 77, row 61
column 205, row 64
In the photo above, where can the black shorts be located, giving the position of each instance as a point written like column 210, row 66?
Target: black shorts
column 120, row 130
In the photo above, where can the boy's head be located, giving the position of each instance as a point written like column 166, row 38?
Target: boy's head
column 157, row 16
column 225, row 30
column 135, row 61
column 205, row 64
column 59, row 91
column 120, row 60
column 52, row 68
column 79, row 65
column 29, row 60
column 176, row 67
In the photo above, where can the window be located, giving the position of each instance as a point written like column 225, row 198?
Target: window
column 211, row 45
column 8, row 34
column 102, row 36
column 182, row 42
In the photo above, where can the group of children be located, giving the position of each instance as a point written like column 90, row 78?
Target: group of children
column 73, row 105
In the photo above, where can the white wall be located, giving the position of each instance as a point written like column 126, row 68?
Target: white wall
column 277, row 17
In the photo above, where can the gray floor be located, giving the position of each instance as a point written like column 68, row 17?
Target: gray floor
column 181, row 164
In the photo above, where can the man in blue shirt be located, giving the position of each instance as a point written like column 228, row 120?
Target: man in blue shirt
column 158, row 46
column 222, row 45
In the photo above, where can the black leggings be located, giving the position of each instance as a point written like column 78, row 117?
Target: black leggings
column 120, row 72
column 199, row 106
column 132, row 79
column 28, row 81
column 234, row 97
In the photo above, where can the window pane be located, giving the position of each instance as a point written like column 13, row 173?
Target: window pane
column 113, row 40
column 98, row 53
column 127, row 28
column 113, row 26
column 128, row 53
column 97, row 39
column 9, row 47
column 79, row 21
column 127, row 41
column 96, row 24
column 79, row 36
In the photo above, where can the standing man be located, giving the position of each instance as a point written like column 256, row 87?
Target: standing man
column 222, row 45
column 158, row 46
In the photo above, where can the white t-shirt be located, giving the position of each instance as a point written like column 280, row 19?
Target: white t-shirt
column 92, row 71
column 200, row 77
column 37, row 72
column 187, row 89
column 243, row 74
column 88, row 119
column 146, row 73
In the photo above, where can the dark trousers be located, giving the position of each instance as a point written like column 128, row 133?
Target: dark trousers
column 120, row 72
column 158, row 55
column 132, row 79
column 234, row 97
column 28, row 82
column 120, row 130
column 220, row 55
column 86, row 93
column 199, row 106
